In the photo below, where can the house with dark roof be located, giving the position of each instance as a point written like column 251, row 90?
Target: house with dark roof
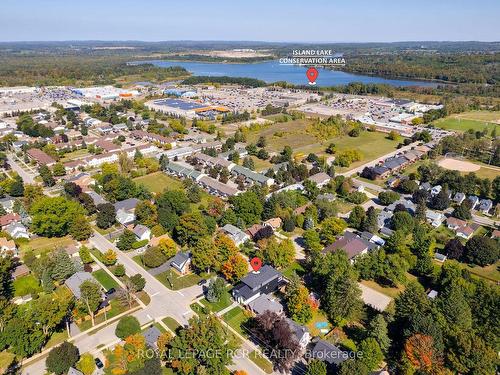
column 77, row 279
column 142, row 232
column 254, row 284
column 181, row 262
column 127, row 204
column 151, row 336
column 328, row 353
column 301, row 333
column 352, row 244
column 40, row 157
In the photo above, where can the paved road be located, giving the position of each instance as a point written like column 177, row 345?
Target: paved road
column 28, row 178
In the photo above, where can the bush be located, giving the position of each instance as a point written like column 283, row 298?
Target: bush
column 119, row 270
column 154, row 257
column 127, row 326
column 289, row 224
column 408, row 186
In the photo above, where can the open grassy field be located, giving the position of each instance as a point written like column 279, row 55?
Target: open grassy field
column 37, row 245
column 463, row 124
column 171, row 323
column 158, row 182
column 487, row 172
column 74, row 155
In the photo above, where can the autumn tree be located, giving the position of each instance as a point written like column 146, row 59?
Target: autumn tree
column 297, row 299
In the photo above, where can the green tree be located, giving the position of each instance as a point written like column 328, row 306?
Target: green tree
column 248, row 207
column 297, row 300
column 216, row 289
column 377, row 329
column 62, row 265
column 481, row 250
column 23, row 336
column 312, row 240
column 17, row 187
column 174, row 201
column 62, row 357
column 153, row 257
column 403, row 221
column 58, row 169
column 204, row 254
column 139, row 281
column 106, row 215
column 46, row 175
column 53, row 216
column 126, row 240
column 388, row 197
column 316, row 367
column 370, row 224
column 80, row 228
column 469, row 354
column 127, row 326
column 330, row 228
column 90, row 297
column 280, row 255
column 190, row 229
column 372, row 355
column 84, row 254
column 357, row 217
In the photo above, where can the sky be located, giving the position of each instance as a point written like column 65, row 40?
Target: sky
column 253, row 20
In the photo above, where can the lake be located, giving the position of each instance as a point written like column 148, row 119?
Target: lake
column 272, row 71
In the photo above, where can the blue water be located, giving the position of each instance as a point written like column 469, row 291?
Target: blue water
column 272, row 71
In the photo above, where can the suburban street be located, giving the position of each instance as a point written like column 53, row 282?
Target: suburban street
column 28, row 178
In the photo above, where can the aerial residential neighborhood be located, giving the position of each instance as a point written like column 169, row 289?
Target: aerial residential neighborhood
column 195, row 207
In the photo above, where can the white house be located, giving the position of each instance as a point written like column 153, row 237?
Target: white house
column 17, row 230
column 125, row 217
column 434, row 218
column 142, row 232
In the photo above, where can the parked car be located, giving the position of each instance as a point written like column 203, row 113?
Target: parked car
column 110, row 291
column 202, row 282
column 98, row 363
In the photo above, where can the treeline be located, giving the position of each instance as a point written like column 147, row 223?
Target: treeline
column 78, row 70
column 217, row 59
column 455, row 68
column 250, row 82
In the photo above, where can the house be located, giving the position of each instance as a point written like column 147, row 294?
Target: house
column 181, row 262
column 9, row 218
column 125, row 217
column 7, row 203
column 17, row 230
column 235, row 233
column 96, row 198
column 473, row 200
column 485, row 205
column 465, row 232
column 20, row 271
column 432, row 294
column 496, row 234
column 142, row 232
column 301, row 333
column 256, row 231
column 105, row 129
column 436, row 190
column 265, row 303
column 254, row 284
column 373, row 238
column 77, row 279
column 72, row 250
column 434, row 218
column 107, row 145
column 380, row 172
column 459, row 198
column 320, row 179
column 8, row 247
column 275, row 223
column 151, row 336
column 127, row 204
column 453, row 223
column 329, row 353
column 426, row 186
column 440, row 257
column 352, row 244
column 40, row 157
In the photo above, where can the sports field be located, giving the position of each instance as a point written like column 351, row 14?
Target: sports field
column 476, row 120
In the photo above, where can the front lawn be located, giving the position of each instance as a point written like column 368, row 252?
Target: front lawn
column 236, row 318
column 28, row 284
column 225, row 301
column 171, row 323
column 116, row 308
column 57, row 338
column 105, row 280
column 174, row 281
column 261, row 361
column 6, row 358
